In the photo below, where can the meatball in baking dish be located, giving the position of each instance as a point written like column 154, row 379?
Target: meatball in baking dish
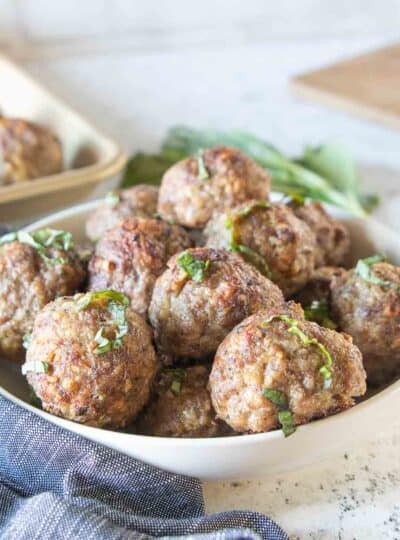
column 366, row 303
column 271, row 238
column 215, row 179
column 333, row 239
column 91, row 360
column 131, row 255
column 27, row 151
column 201, row 296
column 138, row 201
column 35, row 268
column 181, row 406
column 276, row 369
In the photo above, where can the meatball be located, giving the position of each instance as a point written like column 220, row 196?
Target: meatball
column 216, row 179
column 366, row 303
column 333, row 240
column 276, row 368
column 30, row 277
column 91, row 359
column 138, row 201
column 318, row 288
column 181, row 406
column 27, row 151
column 270, row 237
column 131, row 256
column 202, row 295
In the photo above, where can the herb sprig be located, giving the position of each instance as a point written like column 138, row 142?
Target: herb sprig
column 42, row 240
column 326, row 173
column 195, row 268
column 285, row 416
column 117, row 303
column 326, row 368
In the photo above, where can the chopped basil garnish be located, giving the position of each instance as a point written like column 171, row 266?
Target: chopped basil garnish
column 26, row 340
column 178, row 376
column 287, row 422
column 326, row 369
column 195, row 268
column 285, row 417
column 247, row 253
column 117, row 303
column 112, row 198
column 318, row 312
column 202, row 173
column 36, row 366
column 365, row 271
column 42, row 240
column 277, row 397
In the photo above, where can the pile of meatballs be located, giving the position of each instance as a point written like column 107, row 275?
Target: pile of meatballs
column 203, row 310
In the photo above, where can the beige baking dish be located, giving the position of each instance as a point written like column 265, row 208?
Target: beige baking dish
column 89, row 156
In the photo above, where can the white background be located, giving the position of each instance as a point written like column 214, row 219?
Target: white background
column 137, row 67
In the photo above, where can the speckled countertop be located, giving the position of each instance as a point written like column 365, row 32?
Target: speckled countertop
column 354, row 495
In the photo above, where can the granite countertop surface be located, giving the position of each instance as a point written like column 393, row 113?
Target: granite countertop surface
column 355, row 494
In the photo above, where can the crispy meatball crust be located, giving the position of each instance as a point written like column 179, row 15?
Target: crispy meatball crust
column 371, row 315
column 319, row 286
column 333, row 239
column 27, row 283
column 230, row 177
column 138, row 201
column 130, row 257
column 27, row 151
column 284, row 242
column 184, row 412
column 102, row 390
column 190, row 318
column 255, row 356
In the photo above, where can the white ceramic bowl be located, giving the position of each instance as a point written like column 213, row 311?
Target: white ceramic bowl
column 246, row 455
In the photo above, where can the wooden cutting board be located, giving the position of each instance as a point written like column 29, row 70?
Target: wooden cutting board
column 367, row 85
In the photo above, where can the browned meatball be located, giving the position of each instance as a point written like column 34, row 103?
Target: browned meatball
column 216, row 179
column 138, row 201
column 91, row 359
column 266, row 372
column 30, row 278
column 270, row 237
column 202, row 295
column 368, row 308
column 181, row 406
column 27, row 151
column 333, row 240
column 319, row 286
column 130, row 257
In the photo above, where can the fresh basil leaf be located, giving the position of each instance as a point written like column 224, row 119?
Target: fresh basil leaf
column 41, row 240
column 287, row 422
column 108, row 294
column 202, row 172
column 278, row 398
column 195, row 268
column 364, row 269
column 35, row 366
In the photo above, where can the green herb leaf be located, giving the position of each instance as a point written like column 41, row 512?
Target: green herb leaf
column 35, row 366
column 26, row 340
column 365, row 271
column 147, row 168
column 112, row 198
column 318, row 312
column 326, row 369
column 278, row 398
column 41, row 240
column 195, row 268
column 108, row 294
column 287, row 422
column 176, row 387
column 202, row 173
column 247, row 210
column 104, row 344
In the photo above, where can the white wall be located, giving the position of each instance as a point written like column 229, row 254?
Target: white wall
column 35, row 28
